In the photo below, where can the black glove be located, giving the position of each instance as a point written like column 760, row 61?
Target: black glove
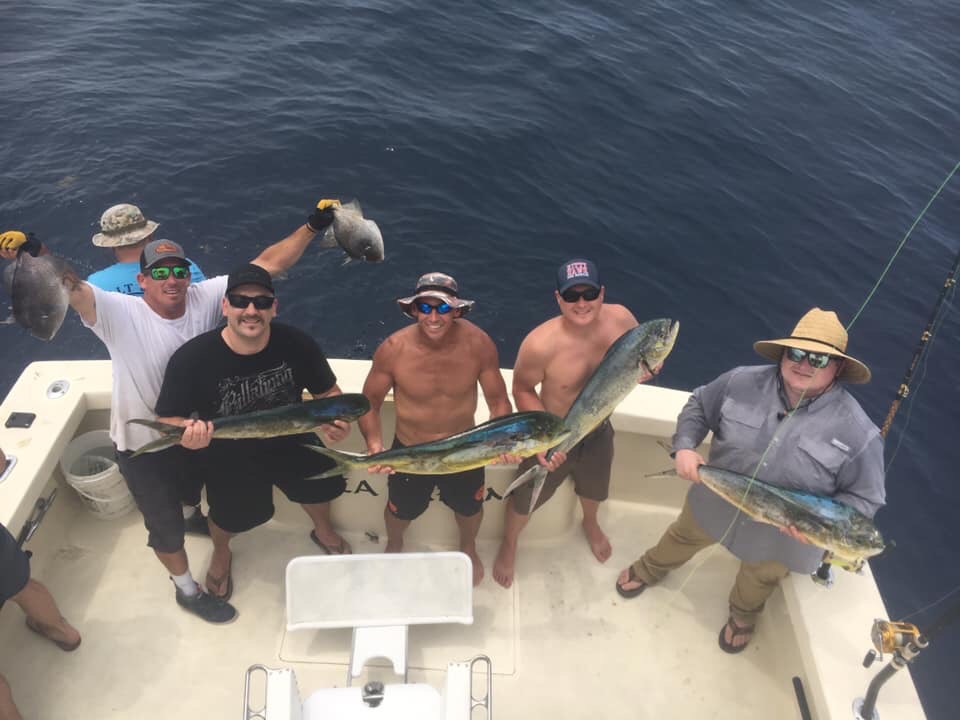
column 323, row 215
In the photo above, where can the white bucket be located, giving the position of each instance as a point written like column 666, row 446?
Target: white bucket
column 89, row 464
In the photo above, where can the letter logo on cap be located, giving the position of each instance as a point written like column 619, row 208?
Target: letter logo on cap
column 577, row 269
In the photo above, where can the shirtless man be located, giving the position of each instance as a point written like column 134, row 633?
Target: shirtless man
column 561, row 355
column 433, row 368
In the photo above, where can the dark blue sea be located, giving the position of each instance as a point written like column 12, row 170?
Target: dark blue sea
column 729, row 164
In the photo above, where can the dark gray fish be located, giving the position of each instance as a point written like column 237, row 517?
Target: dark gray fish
column 290, row 419
column 359, row 237
column 37, row 292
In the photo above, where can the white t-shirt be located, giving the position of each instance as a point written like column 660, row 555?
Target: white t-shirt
column 140, row 343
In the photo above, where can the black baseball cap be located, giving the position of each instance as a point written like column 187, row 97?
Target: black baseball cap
column 249, row 274
column 578, row 271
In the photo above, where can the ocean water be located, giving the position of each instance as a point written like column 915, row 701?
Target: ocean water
column 728, row 164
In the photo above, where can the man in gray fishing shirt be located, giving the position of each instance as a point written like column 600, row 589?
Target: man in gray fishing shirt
column 792, row 425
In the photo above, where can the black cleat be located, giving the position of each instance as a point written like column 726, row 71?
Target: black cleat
column 207, row 607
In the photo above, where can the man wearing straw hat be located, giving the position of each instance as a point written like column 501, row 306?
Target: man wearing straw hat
column 791, row 424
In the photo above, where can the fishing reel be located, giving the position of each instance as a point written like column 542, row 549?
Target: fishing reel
column 888, row 637
column 824, row 575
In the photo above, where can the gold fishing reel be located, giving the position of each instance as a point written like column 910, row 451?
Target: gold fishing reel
column 888, row 637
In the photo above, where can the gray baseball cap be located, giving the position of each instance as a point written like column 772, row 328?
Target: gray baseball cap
column 157, row 250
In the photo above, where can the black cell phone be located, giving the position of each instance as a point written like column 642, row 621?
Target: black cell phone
column 20, row 420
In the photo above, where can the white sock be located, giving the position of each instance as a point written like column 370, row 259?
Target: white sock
column 188, row 586
column 189, row 511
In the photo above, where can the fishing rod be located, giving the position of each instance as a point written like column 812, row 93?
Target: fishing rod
column 922, row 345
column 905, row 641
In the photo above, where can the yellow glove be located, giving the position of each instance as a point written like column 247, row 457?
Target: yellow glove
column 328, row 202
column 12, row 240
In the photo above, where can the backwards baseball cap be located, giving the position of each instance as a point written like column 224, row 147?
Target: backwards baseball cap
column 249, row 274
column 157, row 250
column 578, row 271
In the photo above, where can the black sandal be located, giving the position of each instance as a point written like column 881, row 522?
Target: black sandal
column 729, row 647
column 632, row 592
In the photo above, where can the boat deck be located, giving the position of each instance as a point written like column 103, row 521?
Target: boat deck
column 561, row 641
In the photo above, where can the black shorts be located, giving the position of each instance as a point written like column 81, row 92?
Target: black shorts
column 409, row 494
column 14, row 566
column 156, row 481
column 242, row 498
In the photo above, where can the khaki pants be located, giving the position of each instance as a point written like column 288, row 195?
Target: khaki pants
column 685, row 538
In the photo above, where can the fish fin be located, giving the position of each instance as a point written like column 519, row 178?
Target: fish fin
column 158, row 426
column 669, row 472
column 344, row 461
column 539, row 480
column 346, row 259
column 354, row 205
column 523, row 477
column 328, row 239
column 164, row 442
column 11, row 320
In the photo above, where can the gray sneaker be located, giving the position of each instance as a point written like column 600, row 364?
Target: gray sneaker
column 196, row 523
column 213, row 610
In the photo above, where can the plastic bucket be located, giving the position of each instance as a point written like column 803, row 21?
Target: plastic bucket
column 90, row 467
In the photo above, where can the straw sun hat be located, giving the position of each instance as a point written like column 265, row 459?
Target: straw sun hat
column 818, row 331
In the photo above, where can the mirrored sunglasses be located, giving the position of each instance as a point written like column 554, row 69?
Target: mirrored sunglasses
column 571, row 295
column 427, row 308
column 179, row 272
column 260, row 302
column 816, row 360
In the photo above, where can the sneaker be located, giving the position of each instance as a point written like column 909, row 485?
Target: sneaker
column 207, row 607
column 196, row 523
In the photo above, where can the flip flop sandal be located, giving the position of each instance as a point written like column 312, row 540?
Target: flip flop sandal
column 729, row 647
column 34, row 626
column 342, row 549
column 632, row 592
column 218, row 582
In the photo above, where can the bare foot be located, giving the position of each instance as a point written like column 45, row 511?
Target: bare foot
column 599, row 543
column 626, row 583
column 477, row 564
column 503, row 565
column 736, row 636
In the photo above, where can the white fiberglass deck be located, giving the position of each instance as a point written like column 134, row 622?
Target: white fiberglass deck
column 563, row 644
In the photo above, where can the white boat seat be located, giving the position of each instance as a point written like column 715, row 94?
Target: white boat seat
column 379, row 596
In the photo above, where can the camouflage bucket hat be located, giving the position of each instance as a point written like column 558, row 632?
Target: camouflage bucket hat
column 439, row 286
column 123, row 225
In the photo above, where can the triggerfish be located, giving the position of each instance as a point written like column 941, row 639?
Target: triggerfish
column 642, row 348
column 290, row 419
column 523, row 434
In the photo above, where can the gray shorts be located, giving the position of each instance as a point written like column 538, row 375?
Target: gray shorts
column 588, row 462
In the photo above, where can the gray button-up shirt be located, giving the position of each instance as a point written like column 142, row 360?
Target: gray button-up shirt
column 829, row 447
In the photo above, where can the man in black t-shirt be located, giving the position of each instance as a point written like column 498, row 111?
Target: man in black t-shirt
column 252, row 364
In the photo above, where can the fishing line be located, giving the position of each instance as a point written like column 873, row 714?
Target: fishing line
column 954, row 591
column 790, row 412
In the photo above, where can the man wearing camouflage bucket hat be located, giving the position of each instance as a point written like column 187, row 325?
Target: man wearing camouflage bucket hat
column 141, row 333
column 125, row 229
column 790, row 424
column 433, row 368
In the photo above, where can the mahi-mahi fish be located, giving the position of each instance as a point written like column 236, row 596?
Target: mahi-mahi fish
column 358, row 236
column 642, row 348
column 290, row 419
column 38, row 293
column 843, row 530
column 523, row 434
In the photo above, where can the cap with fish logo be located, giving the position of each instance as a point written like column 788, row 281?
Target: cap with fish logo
column 122, row 225
column 578, row 271
column 439, row 286
column 158, row 250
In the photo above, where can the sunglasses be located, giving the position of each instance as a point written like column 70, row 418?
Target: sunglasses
column 571, row 295
column 816, row 360
column 260, row 302
column 179, row 272
column 427, row 308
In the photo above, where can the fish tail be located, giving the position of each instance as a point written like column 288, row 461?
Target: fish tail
column 670, row 472
column 344, row 463
column 164, row 442
column 163, row 427
column 536, row 473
